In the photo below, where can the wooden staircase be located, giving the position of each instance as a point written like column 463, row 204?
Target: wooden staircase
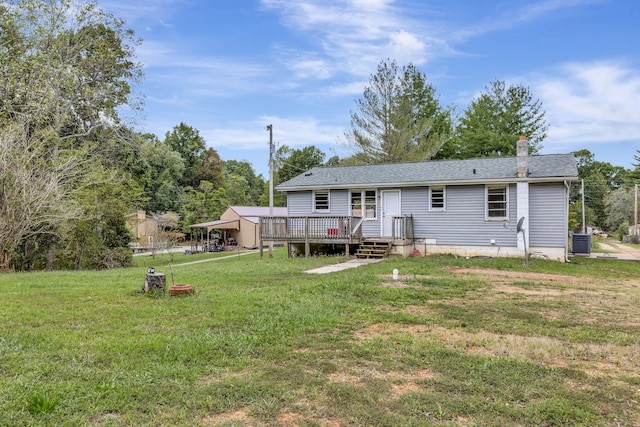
column 373, row 249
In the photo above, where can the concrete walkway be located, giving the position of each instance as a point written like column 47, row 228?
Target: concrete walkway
column 231, row 255
column 353, row 263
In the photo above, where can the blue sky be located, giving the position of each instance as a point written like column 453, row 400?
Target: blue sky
column 229, row 68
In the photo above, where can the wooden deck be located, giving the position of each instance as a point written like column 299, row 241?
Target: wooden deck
column 307, row 230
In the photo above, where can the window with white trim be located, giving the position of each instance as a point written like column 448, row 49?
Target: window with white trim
column 356, row 203
column 497, row 202
column 321, row 201
column 436, row 199
column 363, row 203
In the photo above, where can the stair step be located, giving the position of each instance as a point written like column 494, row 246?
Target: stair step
column 369, row 249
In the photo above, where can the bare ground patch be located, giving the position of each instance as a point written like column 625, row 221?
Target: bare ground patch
column 593, row 359
column 558, row 279
column 521, row 275
column 240, row 417
column 386, row 330
column 399, row 382
column 304, row 412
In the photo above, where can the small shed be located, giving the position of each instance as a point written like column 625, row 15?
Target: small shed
column 240, row 224
column 142, row 226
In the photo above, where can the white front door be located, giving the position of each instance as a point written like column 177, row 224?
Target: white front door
column 390, row 208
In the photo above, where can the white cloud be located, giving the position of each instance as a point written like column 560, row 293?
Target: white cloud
column 353, row 36
column 311, row 68
column 370, row 4
column 499, row 16
column 592, row 102
column 352, row 88
column 406, row 47
column 292, row 131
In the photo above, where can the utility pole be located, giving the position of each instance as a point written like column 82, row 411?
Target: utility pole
column 584, row 225
column 635, row 210
column 271, row 151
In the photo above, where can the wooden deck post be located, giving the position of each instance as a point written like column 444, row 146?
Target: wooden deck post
column 307, row 248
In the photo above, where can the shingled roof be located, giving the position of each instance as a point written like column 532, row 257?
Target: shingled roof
column 550, row 167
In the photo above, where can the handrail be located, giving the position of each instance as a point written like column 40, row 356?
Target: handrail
column 357, row 227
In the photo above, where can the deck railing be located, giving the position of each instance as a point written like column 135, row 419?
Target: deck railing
column 326, row 228
column 402, row 227
column 300, row 228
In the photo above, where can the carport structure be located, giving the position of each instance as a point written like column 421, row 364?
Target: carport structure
column 221, row 224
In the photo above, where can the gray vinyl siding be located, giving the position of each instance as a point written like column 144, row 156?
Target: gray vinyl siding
column 339, row 200
column 548, row 216
column 372, row 227
column 463, row 220
column 300, row 203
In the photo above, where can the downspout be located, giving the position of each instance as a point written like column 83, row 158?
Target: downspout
column 566, row 215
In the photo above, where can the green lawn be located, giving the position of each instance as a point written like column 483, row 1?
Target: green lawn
column 454, row 342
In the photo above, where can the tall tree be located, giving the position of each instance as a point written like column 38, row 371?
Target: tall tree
column 587, row 165
column 244, row 169
column 290, row 162
column 66, row 68
column 399, row 117
column 619, row 207
column 187, row 141
column 162, row 180
column 238, row 191
column 205, row 203
column 211, row 169
column 601, row 180
column 491, row 125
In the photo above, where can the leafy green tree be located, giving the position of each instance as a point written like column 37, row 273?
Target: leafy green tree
column 187, row 141
column 596, row 189
column 493, row 122
column 619, row 207
column 290, row 162
column 587, row 165
column 399, row 117
column 163, row 176
column 245, row 170
column 99, row 238
column 66, row 68
column 601, row 182
column 238, row 191
column 279, row 199
column 206, row 203
column 211, row 168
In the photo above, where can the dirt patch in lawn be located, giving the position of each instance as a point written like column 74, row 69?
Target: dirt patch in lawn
column 399, row 382
column 239, row 417
column 520, row 275
column 295, row 419
column 593, row 359
column 504, row 276
column 386, row 330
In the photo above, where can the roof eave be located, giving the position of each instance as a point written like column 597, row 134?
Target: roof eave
column 427, row 183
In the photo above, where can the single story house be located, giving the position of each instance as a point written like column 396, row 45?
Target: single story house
column 239, row 224
column 466, row 207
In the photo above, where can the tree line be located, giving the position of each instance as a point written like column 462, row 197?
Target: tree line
column 72, row 169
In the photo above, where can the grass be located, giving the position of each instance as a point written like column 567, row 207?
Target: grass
column 453, row 342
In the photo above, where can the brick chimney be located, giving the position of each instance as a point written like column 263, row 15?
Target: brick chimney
column 522, row 151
